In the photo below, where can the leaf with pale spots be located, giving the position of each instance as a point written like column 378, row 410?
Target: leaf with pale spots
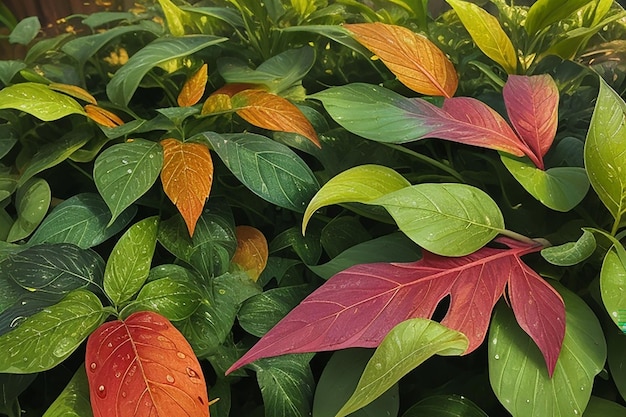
column 129, row 263
column 187, row 176
column 193, row 89
column 143, row 366
column 252, row 251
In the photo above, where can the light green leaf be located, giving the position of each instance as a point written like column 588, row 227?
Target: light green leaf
column 47, row 338
column 129, row 263
column 25, row 31
column 487, row 33
column 571, row 253
column 445, row 406
column 173, row 299
column 31, row 201
column 560, row 188
column 338, row 381
column 612, row 285
column 543, row 13
column 81, row 220
column 126, row 80
column 74, row 399
column 126, row 171
column 616, row 341
column 405, row 347
column 102, row 18
column 518, row 373
column 38, row 100
column 202, row 16
column 600, row 407
column 605, row 150
column 175, row 17
column 361, row 184
column 269, row 169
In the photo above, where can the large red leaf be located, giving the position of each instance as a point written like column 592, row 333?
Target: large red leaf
column 532, row 104
column 359, row 306
column 143, row 366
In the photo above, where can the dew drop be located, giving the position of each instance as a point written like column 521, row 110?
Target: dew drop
column 378, row 365
column 181, row 355
column 118, row 374
column 63, row 347
column 192, row 373
column 576, row 412
column 93, row 366
column 124, row 161
column 170, row 379
column 496, row 357
column 17, row 321
column 129, row 171
column 109, row 345
column 151, row 156
column 527, row 401
column 102, row 392
column 222, row 292
column 124, row 394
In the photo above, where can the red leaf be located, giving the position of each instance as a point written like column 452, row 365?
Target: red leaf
column 143, row 366
column 532, row 104
column 359, row 306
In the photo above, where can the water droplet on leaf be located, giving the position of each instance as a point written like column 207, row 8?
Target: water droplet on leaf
column 170, row 379
column 102, row 393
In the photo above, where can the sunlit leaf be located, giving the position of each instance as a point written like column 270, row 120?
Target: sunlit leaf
column 543, row 13
column 187, row 177
column 193, row 89
column 415, row 60
column 252, row 251
column 144, row 365
column 38, row 100
column 74, row 91
column 174, row 16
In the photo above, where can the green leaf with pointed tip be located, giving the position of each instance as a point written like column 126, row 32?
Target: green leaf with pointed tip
column 571, row 253
column 129, row 263
column 50, row 336
column 73, row 401
column 269, row 169
column 605, row 150
column 405, row 347
column 25, row 31
column 173, row 299
column 126, row 80
column 543, row 13
column 517, row 370
column 445, row 406
column 560, row 188
column 612, row 284
column 31, row 201
column 81, row 220
column 38, row 100
column 126, row 171
column 361, row 184
column 487, row 33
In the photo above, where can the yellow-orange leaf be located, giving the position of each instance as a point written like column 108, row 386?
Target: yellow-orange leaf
column 273, row 112
column 252, row 251
column 102, row 116
column 417, row 62
column 217, row 103
column 193, row 89
column 187, row 176
column 74, row 91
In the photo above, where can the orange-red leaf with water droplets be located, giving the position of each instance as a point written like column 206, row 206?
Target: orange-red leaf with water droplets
column 252, row 251
column 272, row 112
column 187, row 176
column 193, row 89
column 144, row 367
column 417, row 62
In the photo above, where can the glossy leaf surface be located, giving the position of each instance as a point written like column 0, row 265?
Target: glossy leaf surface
column 172, row 298
column 143, row 366
column 38, row 100
column 103, row 116
column 187, row 177
column 445, row 406
column 414, row 59
column 193, row 89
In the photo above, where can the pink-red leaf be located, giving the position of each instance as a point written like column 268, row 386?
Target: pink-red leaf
column 143, row 366
column 359, row 306
column 532, row 104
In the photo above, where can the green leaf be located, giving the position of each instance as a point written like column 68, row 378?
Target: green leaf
column 31, row 202
column 50, row 336
column 616, row 341
column 571, row 253
column 605, row 150
column 74, row 399
column 25, row 305
column 543, row 13
column 173, row 299
column 126, row 80
column 405, row 347
column 54, row 268
column 342, row 233
column 445, row 406
column 308, row 247
column 129, row 263
column 126, row 171
column 612, row 284
column 11, row 386
column 25, row 31
column 102, row 18
column 361, row 184
column 339, row 379
column 38, row 100
column 175, row 17
column 600, row 407
column 81, row 220
column 517, row 370
column 8, row 69
column 286, row 384
column 269, row 169
column 225, row 14
column 487, row 33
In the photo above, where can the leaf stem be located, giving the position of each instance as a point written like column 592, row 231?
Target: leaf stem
column 428, row 160
column 521, row 238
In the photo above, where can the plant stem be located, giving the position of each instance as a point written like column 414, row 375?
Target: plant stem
column 521, row 238
column 79, row 169
column 427, row 160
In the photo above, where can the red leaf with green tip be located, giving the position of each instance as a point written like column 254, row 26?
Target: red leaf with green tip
column 143, row 366
column 359, row 306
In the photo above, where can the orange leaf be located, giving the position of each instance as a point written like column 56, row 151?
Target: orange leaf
column 252, row 251
column 273, row 112
column 74, row 91
column 143, row 366
column 103, row 116
column 417, row 62
column 193, row 89
column 187, row 176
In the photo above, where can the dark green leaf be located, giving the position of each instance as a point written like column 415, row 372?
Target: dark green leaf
column 25, row 306
column 225, row 14
column 600, row 407
column 341, row 234
column 74, row 399
column 8, row 69
column 25, row 31
column 12, row 385
column 102, row 18
column 31, row 202
column 307, row 247
column 445, row 406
